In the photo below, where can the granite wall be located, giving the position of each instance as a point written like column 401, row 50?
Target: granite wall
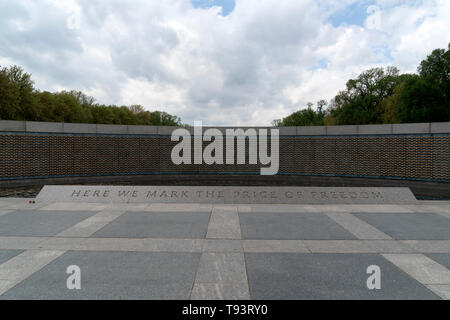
column 42, row 150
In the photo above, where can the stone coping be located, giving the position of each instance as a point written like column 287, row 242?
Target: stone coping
column 79, row 128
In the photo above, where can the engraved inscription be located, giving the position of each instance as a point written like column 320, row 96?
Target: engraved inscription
column 227, row 195
column 240, row 193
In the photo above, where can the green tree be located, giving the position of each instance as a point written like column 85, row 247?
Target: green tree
column 9, row 97
column 20, row 101
column 164, row 119
column 48, row 103
column 426, row 97
column 419, row 100
column 305, row 117
column 359, row 103
column 136, row 108
column 436, row 69
column 17, row 96
column 384, row 96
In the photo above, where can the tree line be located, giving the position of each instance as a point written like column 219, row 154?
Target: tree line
column 383, row 95
column 19, row 100
column 376, row 96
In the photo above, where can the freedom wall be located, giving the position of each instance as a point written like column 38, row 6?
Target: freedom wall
column 413, row 152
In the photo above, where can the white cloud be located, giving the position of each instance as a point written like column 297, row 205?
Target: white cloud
column 254, row 65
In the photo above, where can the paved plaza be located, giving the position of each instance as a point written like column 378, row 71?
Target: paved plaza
column 213, row 251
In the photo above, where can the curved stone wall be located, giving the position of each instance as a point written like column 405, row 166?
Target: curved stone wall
column 47, row 150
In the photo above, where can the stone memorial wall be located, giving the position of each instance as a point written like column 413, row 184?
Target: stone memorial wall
column 46, row 150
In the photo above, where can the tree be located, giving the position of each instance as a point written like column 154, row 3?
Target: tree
column 305, row 117
column 419, row 100
column 136, row 108
column 17, row 98
column 9, row 96
column 426, row 97
column 436, row 70
column 20, row 101
column 384, row 96
column 164, row 119
column 359, row 102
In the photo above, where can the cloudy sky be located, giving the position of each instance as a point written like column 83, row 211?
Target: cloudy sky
column 225, row 62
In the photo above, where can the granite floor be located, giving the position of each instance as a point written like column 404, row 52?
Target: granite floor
column 202, row 251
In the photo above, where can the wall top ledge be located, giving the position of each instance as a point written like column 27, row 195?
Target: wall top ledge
column 80, row 128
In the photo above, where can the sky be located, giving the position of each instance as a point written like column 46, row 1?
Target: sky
column 223, row 62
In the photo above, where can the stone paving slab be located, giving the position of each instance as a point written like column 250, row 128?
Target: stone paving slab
column 429, row 208
column 157, row 225
column 279, row 251
column 20, row 242
column 5, row 255
column 226, row 271
column 274, row 208
column 384, row 208
column 29, row 223
column 357, row 227
column 390, row 246
column 327, row 276
column 19, row 204
column 429, row 246
column 224, row 224
column 410, row 226
column 5, row 212
column 113, row 275
column 284, row 246
column 179, row 207
column 441, row 258
column 218, row 291
column 121, row 244
column 421, row 268
column 290, row 226
column 339, row 246
column 222, row 245
column 89, row 226
column 24, row 265
column 441, row 209
column 74, row 206
column 442, row 290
